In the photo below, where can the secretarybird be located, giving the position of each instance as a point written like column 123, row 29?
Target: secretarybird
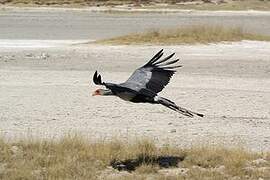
column 144, row 84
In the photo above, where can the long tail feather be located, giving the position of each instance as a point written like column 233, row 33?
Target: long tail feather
column 173, row 106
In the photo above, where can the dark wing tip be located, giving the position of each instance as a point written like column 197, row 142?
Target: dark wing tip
column 155, row 58
column 172, row 67
column 157, row 55
column 160, row 51
column 164, row 60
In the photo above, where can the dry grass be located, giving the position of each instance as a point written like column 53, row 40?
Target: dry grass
column 76, row 158
column 149, row 4
column 231, row 5
column 72, row 3
column 186, row 35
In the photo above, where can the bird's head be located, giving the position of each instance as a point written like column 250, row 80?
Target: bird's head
column 102, row 92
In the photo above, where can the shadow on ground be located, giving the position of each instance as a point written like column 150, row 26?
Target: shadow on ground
column 161, row 161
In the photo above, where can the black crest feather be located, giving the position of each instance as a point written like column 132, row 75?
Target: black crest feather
column 97, row 79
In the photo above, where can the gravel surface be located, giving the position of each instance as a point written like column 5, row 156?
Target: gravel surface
column 46, row 92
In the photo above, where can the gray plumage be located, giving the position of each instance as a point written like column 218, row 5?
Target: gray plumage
column 144, row 84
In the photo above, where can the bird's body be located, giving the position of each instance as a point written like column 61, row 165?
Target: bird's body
column 145, row 83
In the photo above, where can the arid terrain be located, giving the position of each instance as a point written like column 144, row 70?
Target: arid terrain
column 51, row 127
column 46, row 84
column 46, row 92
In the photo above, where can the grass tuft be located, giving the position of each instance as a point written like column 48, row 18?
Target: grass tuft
column 186, row 35
column 74, row 157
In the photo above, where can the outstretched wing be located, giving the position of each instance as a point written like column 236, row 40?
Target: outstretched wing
column 154, row 75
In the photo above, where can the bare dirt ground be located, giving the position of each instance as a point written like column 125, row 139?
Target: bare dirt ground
column 73, row 24
column 46, row 92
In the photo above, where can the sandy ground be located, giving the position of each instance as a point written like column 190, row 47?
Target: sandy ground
column 66, row 24
column 46, row 92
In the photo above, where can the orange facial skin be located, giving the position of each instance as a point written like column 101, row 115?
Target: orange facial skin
column 96, row 93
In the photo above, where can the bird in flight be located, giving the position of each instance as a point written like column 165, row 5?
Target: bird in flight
column 145, row 83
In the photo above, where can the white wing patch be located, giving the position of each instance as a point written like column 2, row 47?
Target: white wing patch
column 156, row 98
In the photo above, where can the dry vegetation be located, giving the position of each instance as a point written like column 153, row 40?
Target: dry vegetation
column 234, row 5
column 65, row 2
column 181, row 4
column 187, row 35
column 76, row 158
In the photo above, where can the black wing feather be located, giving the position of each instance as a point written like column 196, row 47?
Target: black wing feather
column 165, row 59
column 155, row 58
column 154, row 75
column 172, row 67
column 170, row 62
